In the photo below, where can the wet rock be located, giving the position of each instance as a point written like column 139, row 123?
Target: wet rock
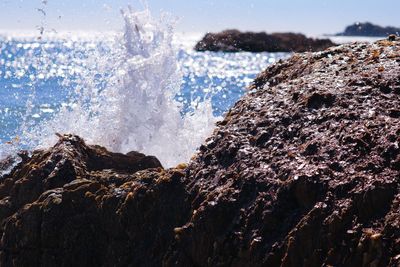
column 303, row 171
column 369, row 29
column 236, row 41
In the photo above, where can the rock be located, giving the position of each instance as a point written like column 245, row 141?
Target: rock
column 236, row 41
column 303, row 171
column 369, row 29
column 80, row 205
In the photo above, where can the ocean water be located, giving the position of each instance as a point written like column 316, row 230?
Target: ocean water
column 143, row 88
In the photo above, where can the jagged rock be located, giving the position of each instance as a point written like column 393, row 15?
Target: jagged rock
column 303, row 171
column 79, row 205
column 369, row 29
column 236, row 41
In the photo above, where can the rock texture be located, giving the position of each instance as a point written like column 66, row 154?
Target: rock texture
column 236, row 41
column 303, row 171
column 369, row 29
column 79, row 205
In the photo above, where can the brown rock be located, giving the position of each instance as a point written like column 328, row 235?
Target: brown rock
column 79, row 205
column 303, row 171
column 314, row 177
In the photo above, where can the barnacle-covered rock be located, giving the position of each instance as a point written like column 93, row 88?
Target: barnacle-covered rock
column 304, row 170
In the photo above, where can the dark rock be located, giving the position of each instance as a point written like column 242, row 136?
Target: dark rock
column 236, row 41
column 316, row 100
column 314, row 180
column 303, row 171
column 79, row 205
column 371, row 30
column 392, row 37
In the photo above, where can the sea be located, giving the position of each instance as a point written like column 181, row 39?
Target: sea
column 143, row 88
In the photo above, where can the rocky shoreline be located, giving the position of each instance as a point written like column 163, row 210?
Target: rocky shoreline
column 236, row 41
column 303, row 171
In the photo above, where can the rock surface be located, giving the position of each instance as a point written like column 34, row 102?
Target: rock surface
column 369, row 29
column 303, row 171
column 236, row 41
column 79, row 205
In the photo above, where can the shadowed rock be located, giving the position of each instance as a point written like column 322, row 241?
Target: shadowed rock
column 236, row 41
column 303, row 171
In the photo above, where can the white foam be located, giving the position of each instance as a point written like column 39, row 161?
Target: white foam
column 136, row 110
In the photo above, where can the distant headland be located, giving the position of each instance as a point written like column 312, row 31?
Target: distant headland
column 368, row 29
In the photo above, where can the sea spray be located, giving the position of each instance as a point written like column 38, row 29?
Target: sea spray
column 77, row 82
column 135, row 109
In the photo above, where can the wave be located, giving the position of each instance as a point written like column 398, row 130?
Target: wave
column 125, row 97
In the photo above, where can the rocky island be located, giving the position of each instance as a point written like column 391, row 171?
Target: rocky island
column 303, row 171
column 369, row 29
column 236, row 41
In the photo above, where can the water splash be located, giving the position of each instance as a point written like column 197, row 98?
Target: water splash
column 125, row 92
column 135, row 109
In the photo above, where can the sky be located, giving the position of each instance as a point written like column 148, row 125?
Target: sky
column 313, row 17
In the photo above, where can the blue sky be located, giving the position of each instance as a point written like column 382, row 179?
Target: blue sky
column 307, row 16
